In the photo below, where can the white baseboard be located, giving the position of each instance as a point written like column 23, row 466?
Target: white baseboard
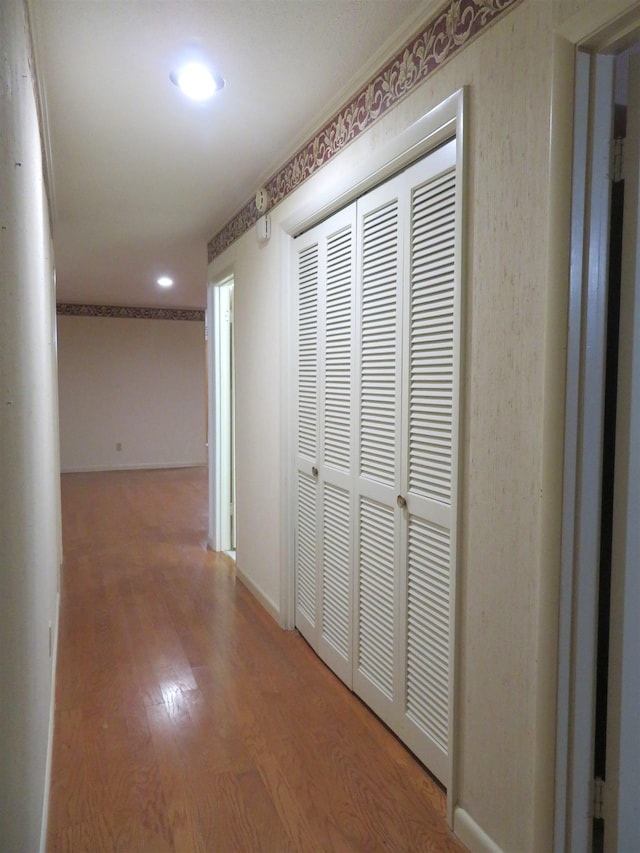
column 52, row 708
column 269, row 605
column 86, row 469
column 472, row 835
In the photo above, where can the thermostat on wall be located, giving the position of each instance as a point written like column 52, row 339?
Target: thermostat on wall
column 263, row 229
column 262, row 200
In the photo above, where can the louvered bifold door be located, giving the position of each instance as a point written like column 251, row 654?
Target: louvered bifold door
column 307, row 260
column 324, row 464
column 378, row 361
column 430, row 392
column 337, row 442
column 378, row 321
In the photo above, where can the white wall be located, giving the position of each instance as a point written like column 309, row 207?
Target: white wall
column 29, row 473
column 137, row 382
column 512, row 428
column 257, row 424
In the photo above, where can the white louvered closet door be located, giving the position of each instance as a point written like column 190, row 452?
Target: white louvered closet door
column 307, row 271
column 429, row 457
column 376, row 448
column 324, row 537
column 378, row 413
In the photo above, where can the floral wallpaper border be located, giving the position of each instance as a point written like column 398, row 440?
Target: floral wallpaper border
column 445, row 34
column 69, row 309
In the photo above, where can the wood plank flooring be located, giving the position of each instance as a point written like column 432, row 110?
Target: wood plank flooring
column 186, row 719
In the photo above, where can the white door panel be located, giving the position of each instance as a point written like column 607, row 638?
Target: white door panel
column 378, row 414
column 325, row 265
column 379, row 307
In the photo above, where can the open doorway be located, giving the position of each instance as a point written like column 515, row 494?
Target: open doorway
column 222, row 463
column 598, row 787
column 609, row 508
column 620, row 826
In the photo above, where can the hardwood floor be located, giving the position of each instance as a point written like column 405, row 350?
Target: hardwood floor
column 186, row 720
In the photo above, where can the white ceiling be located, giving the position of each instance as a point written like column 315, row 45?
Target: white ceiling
column 143, row 178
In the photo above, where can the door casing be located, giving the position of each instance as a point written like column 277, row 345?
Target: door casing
column 437, row 126
column 220, row 417
column 584, row 51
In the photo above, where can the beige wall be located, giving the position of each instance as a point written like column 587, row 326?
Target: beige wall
column 140, row 383
column 30, row 547
column 257, row 395
column 512, row 428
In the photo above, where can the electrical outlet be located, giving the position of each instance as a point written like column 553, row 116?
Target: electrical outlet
column 119, row 445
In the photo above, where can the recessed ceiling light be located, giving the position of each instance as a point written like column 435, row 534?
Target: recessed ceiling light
column 196, row 81
column 165, row 281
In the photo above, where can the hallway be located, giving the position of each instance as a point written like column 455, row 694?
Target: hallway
column 186, row 719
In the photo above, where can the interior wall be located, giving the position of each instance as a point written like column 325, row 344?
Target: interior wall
column 257, row 355
column 508, row 573
column 29, row 463
column 134, row 382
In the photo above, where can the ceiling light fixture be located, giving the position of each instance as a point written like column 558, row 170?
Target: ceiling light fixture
column 165, row 281
column 196, row 81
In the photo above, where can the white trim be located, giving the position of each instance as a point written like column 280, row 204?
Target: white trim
column 602, row 25
column 472, row 835
column 286, row 616
column 442, row 123
column 216, row 538
column 43, row 114
column 590, row 452
column 554, row 392
column 44, row 826
column 588, row 300
column 220, row 340
column 213, row 539
column 434, row 128
column 269, row 605
column 152, row 466
column 572, row 418
column 462, row 213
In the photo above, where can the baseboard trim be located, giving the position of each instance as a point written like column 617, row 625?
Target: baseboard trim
column 472, row 835
column 52, row 708
column 264, row 600
column 87, row 469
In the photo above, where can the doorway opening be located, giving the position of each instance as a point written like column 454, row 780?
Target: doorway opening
column 608, row 456
column 602, row 540
column 222, row 453
column 616, row 738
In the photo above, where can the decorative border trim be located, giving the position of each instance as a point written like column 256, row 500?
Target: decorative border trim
column 444, row 35
column 68, row 309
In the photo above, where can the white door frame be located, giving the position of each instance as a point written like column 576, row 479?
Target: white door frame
column 219, row 400
column 597, row 30
column 622, row 790
column 437, row 126
column 584, row 428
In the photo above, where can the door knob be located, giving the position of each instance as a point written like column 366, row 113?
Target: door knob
column 401, row 502
column 314, row 471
